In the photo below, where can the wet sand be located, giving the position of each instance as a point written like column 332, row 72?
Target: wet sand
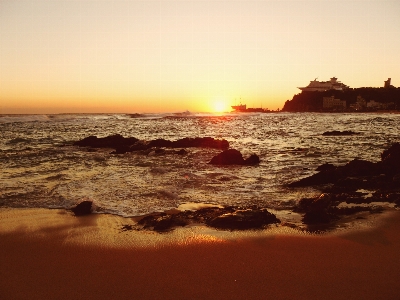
column 50, row 254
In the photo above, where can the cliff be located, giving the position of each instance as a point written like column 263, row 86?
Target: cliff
column 312, row 101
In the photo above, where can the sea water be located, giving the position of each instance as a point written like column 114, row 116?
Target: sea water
column 40, row 167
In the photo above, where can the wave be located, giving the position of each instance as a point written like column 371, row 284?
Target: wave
column 58, row 117
column 18, row 141
column 23, row 118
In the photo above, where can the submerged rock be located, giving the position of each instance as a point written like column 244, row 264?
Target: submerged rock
column 338, row 133
column 234, row 157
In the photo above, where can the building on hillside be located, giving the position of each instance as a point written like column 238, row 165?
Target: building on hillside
column 374, row 104
column 322, row 86
column 332, row 103
column 360, row 104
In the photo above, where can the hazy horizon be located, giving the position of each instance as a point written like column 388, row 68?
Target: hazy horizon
column 202, row 56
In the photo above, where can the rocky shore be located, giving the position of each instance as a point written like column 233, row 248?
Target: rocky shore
column 352, row 188
column 358, row 186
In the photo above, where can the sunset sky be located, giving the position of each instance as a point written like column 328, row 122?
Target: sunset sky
column 60, row 56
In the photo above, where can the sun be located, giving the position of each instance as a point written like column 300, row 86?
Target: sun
column 220, row 106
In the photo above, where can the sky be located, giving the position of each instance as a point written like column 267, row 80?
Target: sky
column 112, row 56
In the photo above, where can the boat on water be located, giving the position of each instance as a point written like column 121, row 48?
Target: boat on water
column 243, row 108
column 240, row 107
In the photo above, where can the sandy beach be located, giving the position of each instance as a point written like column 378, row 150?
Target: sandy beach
column 50, row 254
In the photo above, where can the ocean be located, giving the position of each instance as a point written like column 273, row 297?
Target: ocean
column 41, row 168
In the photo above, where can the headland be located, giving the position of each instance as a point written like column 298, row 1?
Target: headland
column 334, row 96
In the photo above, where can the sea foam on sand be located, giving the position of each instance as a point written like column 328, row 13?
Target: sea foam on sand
column 52, row 254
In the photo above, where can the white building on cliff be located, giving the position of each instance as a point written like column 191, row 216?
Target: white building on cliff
column 322, row 86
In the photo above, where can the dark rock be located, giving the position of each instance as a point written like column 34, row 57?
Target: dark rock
column 243, row 219
column 323, row 177
column 228, row 157
column 390, row 163
column 209, row 213
column 326, row 167
column 139, row 146
column 331, row 174
column 339, row 133
column 318, row 217
column 344, row 183
column 252, row 160
column 392, row 152
column 82, row 208
column 167, row 222
column 317, row 209
column 160, row 143
column 234, row 157
column 205, row 142
column 123, row 145
column 135, row 115
column 359, row 167
column 229, row 218
column 112, row 141
column 127, row 227
column 323, row 202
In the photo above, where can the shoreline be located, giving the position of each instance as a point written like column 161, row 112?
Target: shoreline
column 52, row 254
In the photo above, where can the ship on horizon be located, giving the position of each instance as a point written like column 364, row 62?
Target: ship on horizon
column 243, row 108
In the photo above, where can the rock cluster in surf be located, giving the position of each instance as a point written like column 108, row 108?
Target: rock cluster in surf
column 226, row 218
column 123, row 145
column 343, row 187
column 344, row 184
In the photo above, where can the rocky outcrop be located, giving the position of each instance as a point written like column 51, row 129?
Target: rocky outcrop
column 317, row 209
column 391, row 160
column 359, row 173
column 227, row 218
column 313, row 101
column 344, row 184
column 123, row 145
column 325, row 209
column 243, row 219
column 112, row 141
column 234, row 157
